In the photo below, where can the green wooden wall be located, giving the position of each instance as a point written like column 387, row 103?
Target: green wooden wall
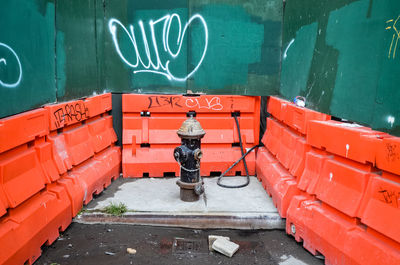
column 55, row 50
column 27, row 65
column 344, row 57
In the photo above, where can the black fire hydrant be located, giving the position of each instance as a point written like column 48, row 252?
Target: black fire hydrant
column 188, row 156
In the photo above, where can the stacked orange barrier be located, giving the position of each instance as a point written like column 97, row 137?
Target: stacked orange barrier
column 83, row 140
column 150, row 123
column 281, row 163
column 43, row 182
column 347, row 197
column 341, row 239
column 32, row 206
column 21, row 173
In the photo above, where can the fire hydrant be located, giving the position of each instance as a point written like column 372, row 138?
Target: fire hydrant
column 188, row 156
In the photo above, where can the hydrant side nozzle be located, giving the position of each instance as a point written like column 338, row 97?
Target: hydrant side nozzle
column 198, row 154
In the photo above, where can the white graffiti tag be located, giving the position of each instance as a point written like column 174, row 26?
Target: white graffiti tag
column 4, row 61
column 211, row 104
column 159, row 67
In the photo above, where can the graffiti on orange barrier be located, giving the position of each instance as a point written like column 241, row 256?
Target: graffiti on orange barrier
column 209, row 103
column 70, row 113
column 389, row 196
column 205, row 103
column 161, row 101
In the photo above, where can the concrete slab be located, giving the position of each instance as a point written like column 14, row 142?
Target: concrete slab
column 156, row 201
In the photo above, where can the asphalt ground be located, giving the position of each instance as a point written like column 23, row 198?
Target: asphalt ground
column 108, row 243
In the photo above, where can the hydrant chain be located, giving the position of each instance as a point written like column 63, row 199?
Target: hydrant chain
column 188, row 170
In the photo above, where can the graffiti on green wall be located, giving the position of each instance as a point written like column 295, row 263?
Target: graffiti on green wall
column 216, row 47
column 10, row 58
column 27, row 66
column 171, row 44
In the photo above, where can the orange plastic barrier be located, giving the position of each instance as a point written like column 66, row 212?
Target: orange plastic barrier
column 96, row 174
column 34, row 223
column 79, row 146
column 273, row 135
column 286, row 148
column 21, row 172
column 22, row 128
column 298, row 118
column 65, row 114
column 314, row 164
column 381, row 206
column 75, row 191
column 296, row 167
column 277, row 181
column 150, row 123
column 102, row 133
column 51, row 162
column 387, row 154
column 347, row 140
column 72, row 147
column 342, row 184
column 45, row 154
column 277, row 107
column 73, row 112
column 263, row 162
column 21, row 176
column 292, row 115
column 98, row 105
column 337, row 237
column 289, row 147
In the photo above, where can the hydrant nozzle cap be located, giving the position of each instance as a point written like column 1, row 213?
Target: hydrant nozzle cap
column 191, row 128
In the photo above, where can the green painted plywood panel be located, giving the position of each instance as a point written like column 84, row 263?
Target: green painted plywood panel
column 243, row 54
column 76, row 48
column 136, row 53
column 296, row 61
column 27, row 66
column 352, row 71
column 220, row 47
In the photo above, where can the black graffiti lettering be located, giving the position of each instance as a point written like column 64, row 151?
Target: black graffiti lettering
column 161, row 101
column 166, row 101
column 385, row 195
column 150, row 102
column 59, row 116
column 176, row 101
column 390, row 197
column 69, row 113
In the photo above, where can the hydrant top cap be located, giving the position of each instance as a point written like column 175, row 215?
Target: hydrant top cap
column 191, row 128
